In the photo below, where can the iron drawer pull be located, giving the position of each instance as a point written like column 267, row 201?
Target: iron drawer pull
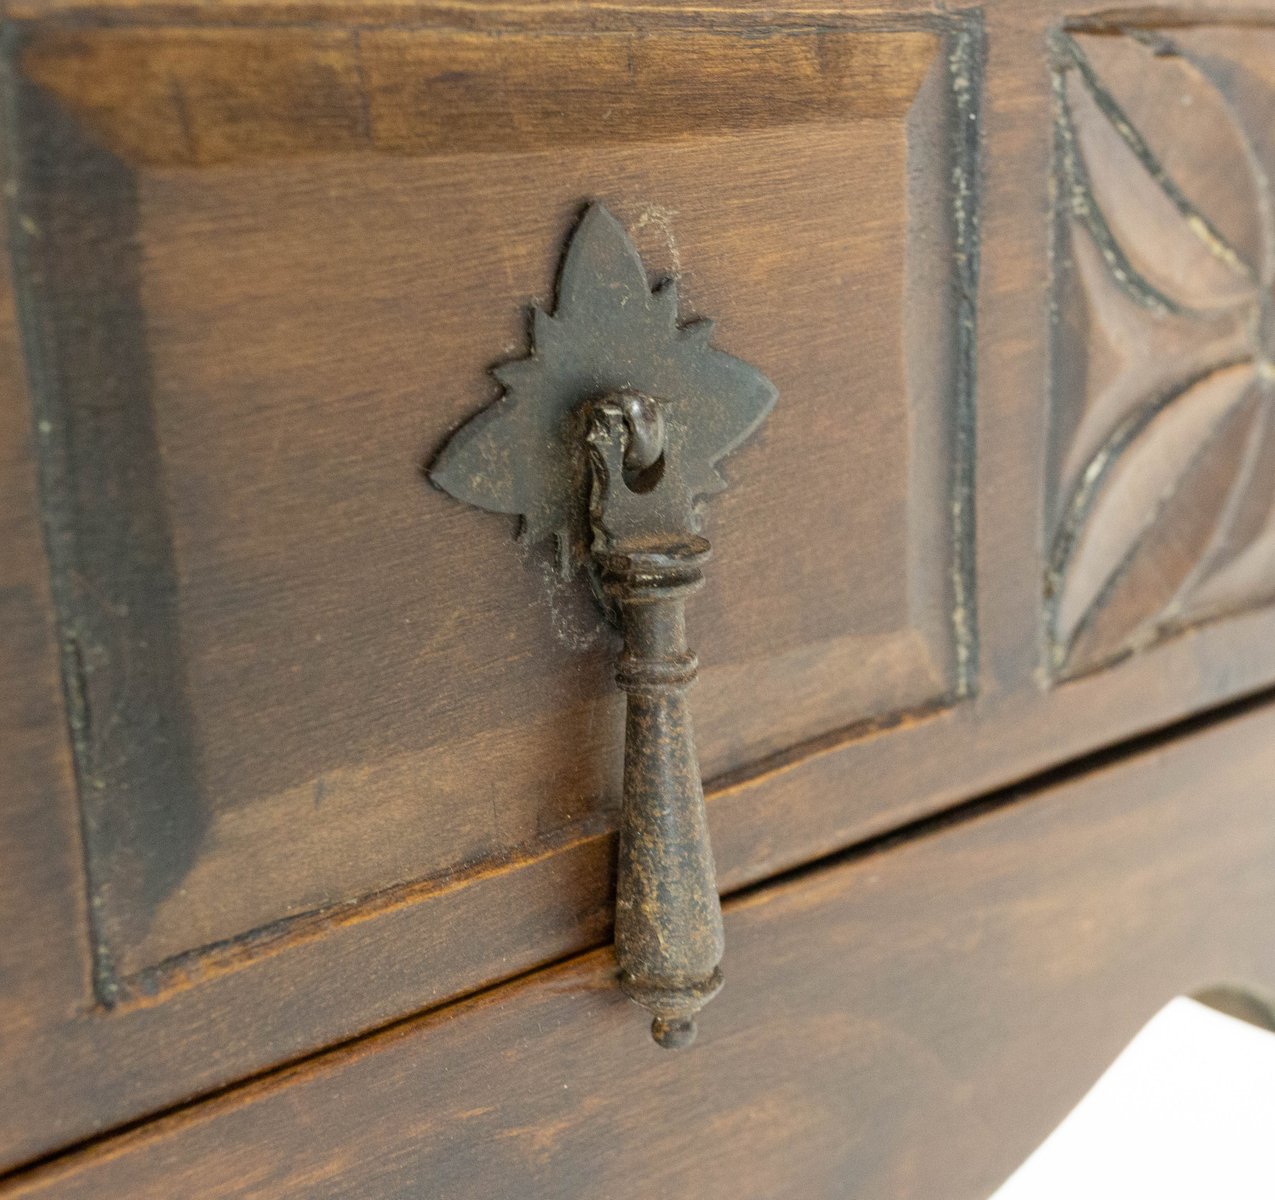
column 607, row 438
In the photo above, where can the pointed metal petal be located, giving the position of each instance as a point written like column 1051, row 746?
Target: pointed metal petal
column 601, row 267
column 475, row 464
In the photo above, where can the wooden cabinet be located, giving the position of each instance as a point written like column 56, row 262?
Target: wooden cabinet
column 294, row 746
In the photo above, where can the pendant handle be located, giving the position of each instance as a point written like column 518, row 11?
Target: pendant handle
column 668, row 918
column 607, row 438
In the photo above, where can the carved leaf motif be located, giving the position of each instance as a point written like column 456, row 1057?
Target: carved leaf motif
column 1189, row 130
column 1161, row 248
column 611, row 331
column 1168, row 510
column 1143, row 518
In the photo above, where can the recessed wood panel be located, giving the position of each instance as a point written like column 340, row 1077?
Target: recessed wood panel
column 269, row 269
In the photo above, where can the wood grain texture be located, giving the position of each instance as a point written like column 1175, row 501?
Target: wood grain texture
column 402, row 776
column 907, row 1024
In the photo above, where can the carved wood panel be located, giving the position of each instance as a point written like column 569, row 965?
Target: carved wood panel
column 264, row 272
column 1162, row 472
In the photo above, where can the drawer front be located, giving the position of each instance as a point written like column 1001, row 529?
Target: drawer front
column 907, row 1024
column 342, row 662
column 322, row 747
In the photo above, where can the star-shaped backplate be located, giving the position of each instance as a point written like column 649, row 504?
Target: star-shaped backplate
column 611, row 332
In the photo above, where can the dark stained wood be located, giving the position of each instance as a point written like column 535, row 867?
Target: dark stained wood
column 907, row 1025
column 344, row 754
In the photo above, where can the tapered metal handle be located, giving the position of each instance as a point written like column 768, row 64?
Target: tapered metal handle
column 668, row 919
column 623, row 404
